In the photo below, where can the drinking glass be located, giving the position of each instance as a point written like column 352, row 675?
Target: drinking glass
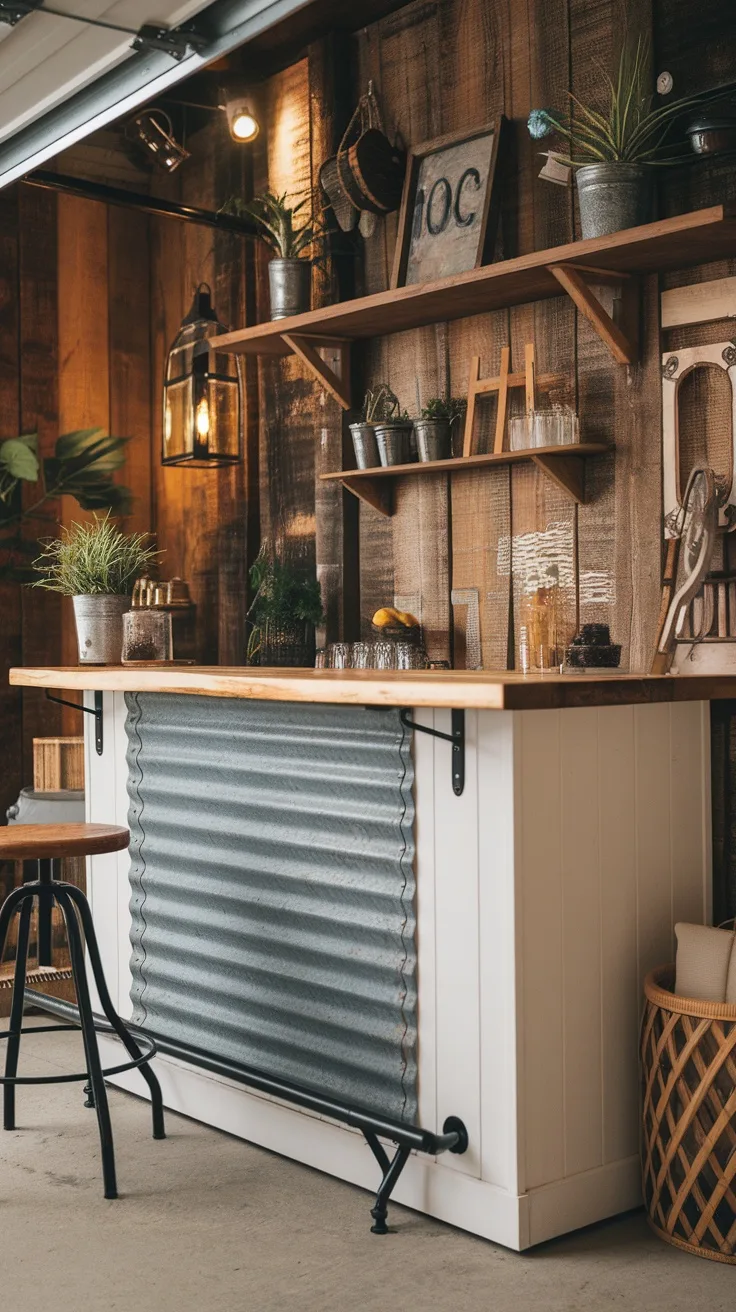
column 362, row 655
column 410, row 657
column 338, row 656
column 384, row 656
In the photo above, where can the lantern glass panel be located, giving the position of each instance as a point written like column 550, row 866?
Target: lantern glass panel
column 202, row 397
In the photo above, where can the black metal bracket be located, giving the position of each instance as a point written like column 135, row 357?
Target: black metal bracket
column 457, row 738
column 88, row 710
column 152, row 36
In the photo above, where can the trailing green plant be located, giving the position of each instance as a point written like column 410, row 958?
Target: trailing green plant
column 273, row 221
column 626, row 126
column 93, row 559
column 445, row 407
column 379, row 404
column 285, row 600
column 82, row 466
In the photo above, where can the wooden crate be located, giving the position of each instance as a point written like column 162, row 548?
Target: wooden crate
column 58, row 763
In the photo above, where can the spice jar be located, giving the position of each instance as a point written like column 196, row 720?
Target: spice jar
column 146, row 635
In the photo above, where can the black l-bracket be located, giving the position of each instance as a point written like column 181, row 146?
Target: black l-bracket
column 457, row 738
column 77, row 706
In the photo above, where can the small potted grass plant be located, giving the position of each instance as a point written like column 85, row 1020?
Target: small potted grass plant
column 290, row 269
column 285, row 611
column 379, row 405
column 614, row 143
column 96, row 565
column 434, row 426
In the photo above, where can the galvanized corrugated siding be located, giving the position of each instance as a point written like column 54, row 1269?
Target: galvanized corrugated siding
column 273, row 889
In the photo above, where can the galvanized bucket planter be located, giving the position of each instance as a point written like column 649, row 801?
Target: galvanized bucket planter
column 395, row 442
column 613, row 196
column 365, row 446
column 434, row 439
column 99, row 621
column 290, row 282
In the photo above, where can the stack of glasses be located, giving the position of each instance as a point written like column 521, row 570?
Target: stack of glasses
column 386, row 655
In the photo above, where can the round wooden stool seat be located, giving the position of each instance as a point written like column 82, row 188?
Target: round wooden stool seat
column 44, row 842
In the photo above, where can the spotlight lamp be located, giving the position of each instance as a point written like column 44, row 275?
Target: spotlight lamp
column 153, row 128
column 241, row 118
column 202, row 393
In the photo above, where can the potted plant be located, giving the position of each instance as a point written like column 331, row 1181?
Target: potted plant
column 434, row 427
column 96, row 565
column 614, row 144
column 379, row 405
column 290, row 271
column 395, row 437
column 282, row 618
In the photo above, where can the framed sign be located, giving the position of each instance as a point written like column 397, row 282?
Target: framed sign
column 449, row 209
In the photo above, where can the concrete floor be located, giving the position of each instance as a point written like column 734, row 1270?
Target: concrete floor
column 206, row 1222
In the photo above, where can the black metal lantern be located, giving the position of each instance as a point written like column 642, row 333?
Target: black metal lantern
column 202, row 393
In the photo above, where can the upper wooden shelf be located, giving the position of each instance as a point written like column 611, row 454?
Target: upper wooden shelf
column 687, row 239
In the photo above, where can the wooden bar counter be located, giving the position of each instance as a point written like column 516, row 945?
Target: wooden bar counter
column 309, row 891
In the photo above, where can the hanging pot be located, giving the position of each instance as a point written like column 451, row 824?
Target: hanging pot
column 290, row 282
column 613, row 196
column 372, row 172
column 99, row 620
column 342, row 207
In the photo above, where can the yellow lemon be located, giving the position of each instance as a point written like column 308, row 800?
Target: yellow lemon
column 408, row 620
column 385, row 616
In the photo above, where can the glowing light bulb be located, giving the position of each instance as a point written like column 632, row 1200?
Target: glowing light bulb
column 203, row 418
column 244, row 127
column 167, row 425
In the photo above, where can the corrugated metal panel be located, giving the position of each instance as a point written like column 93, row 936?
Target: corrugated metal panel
column 273, row 889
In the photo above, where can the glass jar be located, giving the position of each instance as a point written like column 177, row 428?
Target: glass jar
column 541, row 638
column 146, row 635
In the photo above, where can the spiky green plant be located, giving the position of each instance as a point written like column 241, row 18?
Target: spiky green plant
column 445, row 407
column 274, row 223
column 627, row 127
column 93, row 559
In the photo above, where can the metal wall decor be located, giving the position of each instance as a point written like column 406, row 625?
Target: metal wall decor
column 675, row 367
column 202, row 393
column 449, row 209
column 689, row 556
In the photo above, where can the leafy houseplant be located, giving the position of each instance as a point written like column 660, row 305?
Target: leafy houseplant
column 82, row 466
column 95, row 564
column 285, row 610
column 379, row 405
column 434, row 426
column 613, row 145
column 289, row 270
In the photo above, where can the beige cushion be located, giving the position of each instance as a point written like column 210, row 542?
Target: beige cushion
column 731, row 978
column 703, row 959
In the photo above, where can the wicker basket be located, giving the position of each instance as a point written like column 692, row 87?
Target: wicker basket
column 689, row 1119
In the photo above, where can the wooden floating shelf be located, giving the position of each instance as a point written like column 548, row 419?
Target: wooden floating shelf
column 687, row 239
column 564, row 465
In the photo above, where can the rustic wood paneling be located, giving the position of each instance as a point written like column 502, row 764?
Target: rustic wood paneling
column 10, row 608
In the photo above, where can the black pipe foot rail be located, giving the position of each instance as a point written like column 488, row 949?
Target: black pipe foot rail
column 408, row 1138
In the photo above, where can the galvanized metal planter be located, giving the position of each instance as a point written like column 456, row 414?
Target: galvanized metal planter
column 99, row 621
column 365, row 446
column 395, row 442
column 613, row 196
column 290, row 282
column 434, row 439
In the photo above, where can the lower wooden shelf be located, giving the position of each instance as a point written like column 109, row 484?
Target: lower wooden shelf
column 564, row 465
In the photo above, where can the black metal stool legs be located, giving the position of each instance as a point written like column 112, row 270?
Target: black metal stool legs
column 16, row 1012
column 157, row 1105
column 89, row 1036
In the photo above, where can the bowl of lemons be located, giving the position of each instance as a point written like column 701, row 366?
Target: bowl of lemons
column 396, row 625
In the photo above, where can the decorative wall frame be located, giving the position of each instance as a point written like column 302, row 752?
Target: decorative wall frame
column 450, row 205
column 676, row 365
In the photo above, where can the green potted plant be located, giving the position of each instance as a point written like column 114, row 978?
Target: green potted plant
column 96, row 565
column 434, row 426
column 379, row 405
column 282, row 618
column 290, row 270
column 614, row 144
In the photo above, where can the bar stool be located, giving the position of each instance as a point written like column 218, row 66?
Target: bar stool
column 46, row 844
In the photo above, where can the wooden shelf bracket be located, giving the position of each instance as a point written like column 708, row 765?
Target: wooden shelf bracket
column 622, row 341
column 335, row 379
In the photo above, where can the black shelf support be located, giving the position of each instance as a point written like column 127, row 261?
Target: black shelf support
column 457, row 738
column 408, row 1138
column 88, row 710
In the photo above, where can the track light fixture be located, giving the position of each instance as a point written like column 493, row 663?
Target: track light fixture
column 241, row 118
column 153, row 128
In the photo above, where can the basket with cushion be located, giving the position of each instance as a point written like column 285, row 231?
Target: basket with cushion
column 689, row 1119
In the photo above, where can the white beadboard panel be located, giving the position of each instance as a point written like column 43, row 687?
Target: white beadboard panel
column 539, row 876
column 497, row 920
column 581, row 939
column 457, row 946
column 619, row 1021
column 124, row 977
column 653, row 821
column 424, row 800
column 689, row 792
column 104, row 872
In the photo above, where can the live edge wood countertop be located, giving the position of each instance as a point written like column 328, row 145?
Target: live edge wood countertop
column 470, row 689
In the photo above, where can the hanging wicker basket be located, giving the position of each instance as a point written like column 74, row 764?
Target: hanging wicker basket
column 689, row 1119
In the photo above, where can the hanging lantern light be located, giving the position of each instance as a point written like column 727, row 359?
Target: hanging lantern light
column 202, row 393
